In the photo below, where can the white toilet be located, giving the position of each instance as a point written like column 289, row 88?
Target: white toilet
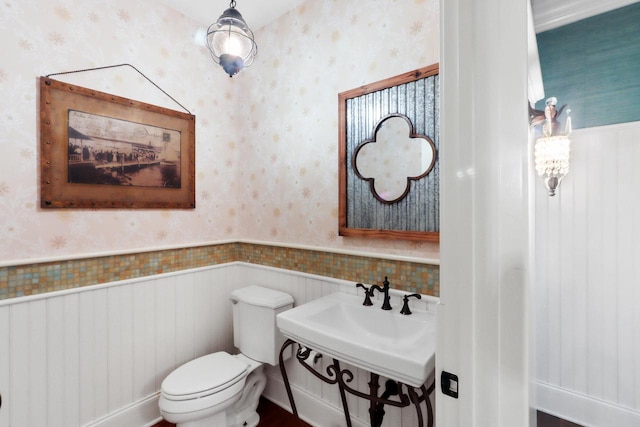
column 221, row 390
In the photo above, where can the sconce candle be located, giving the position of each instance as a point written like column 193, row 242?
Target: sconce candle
column 552, row 150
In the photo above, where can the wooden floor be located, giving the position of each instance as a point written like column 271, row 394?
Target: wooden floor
column 271, row 415
column 546, row 420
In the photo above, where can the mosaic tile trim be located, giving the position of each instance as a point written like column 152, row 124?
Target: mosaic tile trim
column 408, row 276
column 31, row 279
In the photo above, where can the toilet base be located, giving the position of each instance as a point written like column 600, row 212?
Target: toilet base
column 215, row 420
column 252, row 421
column 243, row 412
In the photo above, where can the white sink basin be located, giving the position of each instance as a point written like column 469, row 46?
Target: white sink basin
column 384, row 342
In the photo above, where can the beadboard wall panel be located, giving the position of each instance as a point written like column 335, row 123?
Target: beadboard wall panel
column 588, row 279
column 96, row 356
column 5, row 372
column 71, row 358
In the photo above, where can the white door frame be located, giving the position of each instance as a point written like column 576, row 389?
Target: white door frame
column 483, row 330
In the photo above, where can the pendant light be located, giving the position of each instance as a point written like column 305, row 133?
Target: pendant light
column 231, row 41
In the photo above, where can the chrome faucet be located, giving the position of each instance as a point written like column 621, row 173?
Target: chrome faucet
column 385, row 290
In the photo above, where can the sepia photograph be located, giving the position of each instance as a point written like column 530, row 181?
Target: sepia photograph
column 105, row 150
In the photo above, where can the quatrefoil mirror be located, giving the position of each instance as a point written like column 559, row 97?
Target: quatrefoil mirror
column 393, row 158
column 388, row 158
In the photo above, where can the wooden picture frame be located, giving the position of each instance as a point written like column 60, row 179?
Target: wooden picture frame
column 415, row 215
column 104, row 151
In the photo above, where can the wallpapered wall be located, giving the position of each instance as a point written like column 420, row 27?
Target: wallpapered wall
column 266, row 140
column 592, row 65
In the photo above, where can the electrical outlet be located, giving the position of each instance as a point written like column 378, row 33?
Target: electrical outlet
column 449, row 384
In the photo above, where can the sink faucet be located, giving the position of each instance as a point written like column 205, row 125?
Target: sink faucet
column 385, row 290
column 405, row 306
column 367, row 294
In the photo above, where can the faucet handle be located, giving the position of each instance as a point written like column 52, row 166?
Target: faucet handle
column 405, row 303
column 367, row 294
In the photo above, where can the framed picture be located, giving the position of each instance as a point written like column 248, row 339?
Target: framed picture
column 103, row 151
column 388, row 158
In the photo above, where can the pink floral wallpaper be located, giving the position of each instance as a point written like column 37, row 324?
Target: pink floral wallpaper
column 266, row 140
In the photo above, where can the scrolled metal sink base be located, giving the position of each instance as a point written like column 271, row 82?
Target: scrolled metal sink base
column 343, row 377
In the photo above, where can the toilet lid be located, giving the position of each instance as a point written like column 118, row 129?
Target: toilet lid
column 262, row 297
column 204, row 375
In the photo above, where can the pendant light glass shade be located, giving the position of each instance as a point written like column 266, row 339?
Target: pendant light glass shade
column 231, row 41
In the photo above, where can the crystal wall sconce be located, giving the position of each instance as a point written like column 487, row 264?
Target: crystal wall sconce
column 552, row 148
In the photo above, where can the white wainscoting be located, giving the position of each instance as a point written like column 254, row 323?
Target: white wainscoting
column 73, row 358
column 588, row 282
column 96, row 356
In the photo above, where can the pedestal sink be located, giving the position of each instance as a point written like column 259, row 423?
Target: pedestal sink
column 396, row 346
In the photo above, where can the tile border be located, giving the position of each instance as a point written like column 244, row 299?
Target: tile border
column 37, row 278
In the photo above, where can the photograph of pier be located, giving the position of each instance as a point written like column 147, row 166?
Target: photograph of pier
column 111, row 151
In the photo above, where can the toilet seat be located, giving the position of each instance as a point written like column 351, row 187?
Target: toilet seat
column 205, row 376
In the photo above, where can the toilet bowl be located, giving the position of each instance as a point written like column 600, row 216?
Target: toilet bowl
column 223, row 390
column 201, row 391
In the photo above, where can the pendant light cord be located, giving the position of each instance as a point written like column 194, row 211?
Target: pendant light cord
column 122, row 65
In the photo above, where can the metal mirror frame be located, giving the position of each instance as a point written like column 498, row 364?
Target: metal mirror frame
column 411, row 134
column 345, row 159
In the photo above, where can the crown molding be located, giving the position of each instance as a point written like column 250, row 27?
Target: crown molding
column 550, row 14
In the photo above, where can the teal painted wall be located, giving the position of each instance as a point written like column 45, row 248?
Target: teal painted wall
column 593, row 65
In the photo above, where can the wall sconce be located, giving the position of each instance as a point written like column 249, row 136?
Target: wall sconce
column 231, row 41
column 553, row 147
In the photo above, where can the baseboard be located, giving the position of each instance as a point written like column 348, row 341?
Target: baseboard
column 583, row 410
column 144, row 412
column 311, row 409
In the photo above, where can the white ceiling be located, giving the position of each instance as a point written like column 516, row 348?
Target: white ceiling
column 547, row 14
column 256, row 13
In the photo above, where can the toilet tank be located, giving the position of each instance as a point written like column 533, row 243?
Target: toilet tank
column 255, row 332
